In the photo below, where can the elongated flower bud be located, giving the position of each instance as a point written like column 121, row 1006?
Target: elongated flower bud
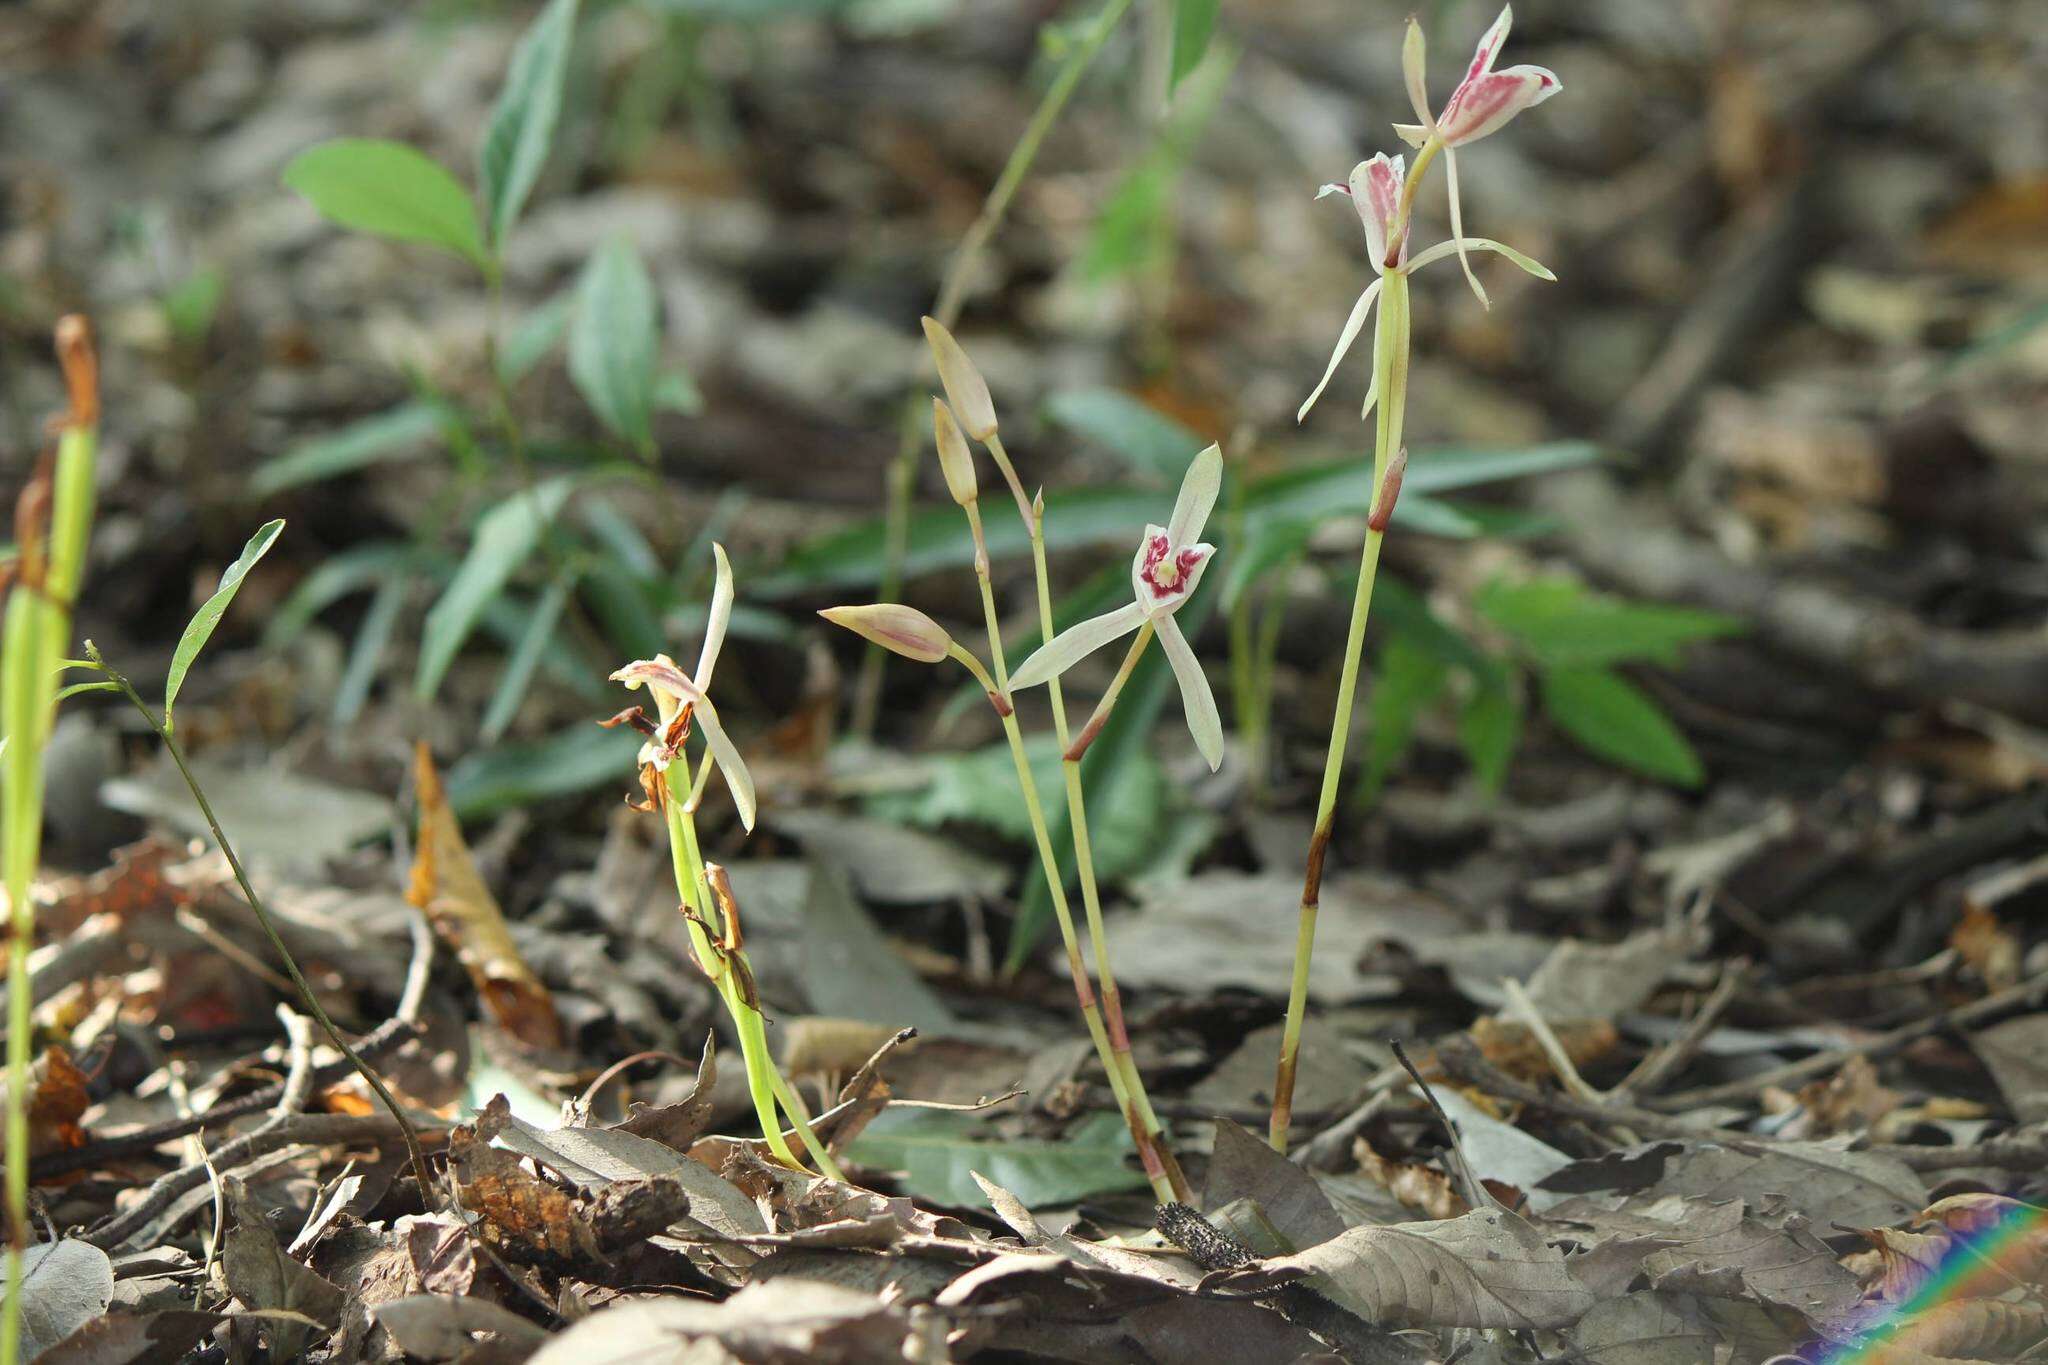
column 895, row 627
column 956, row 461
column 966, row 390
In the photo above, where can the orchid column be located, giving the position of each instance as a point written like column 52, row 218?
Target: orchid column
column 1383, row 191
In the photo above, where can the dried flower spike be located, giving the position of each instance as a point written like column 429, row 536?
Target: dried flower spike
column 895, row 627
column 1168, row 565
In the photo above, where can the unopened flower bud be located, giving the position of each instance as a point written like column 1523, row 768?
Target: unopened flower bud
column 956, row 461
column 966, row 390
column 895, row 627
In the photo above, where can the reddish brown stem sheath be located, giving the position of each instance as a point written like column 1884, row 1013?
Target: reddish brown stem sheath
column 1390, row 492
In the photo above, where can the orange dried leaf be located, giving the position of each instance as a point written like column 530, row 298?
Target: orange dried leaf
column 1974, row 1329
column 1422, row 1188
column 451, row 893
column 1515, row 1050
column 1987, row 946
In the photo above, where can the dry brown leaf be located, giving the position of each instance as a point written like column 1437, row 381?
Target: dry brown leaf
column 451, row 893
column 1848, row 1102
column 1910, row 1260
column 1489, row 1268
column 1988, row 946
column 57, row 1100
column 1515, row 1050
column 1422, row 1188
column 1976, row 1329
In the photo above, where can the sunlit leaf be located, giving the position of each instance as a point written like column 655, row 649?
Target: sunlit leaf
column 389, row 189
column 1194, row 23
column 506, row 539
column 522, row 125
column 1613, row 718
column 201, row 627
column 612, row 341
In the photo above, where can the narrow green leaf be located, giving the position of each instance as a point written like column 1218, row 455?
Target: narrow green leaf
column 73, row 689
column 389, row 189
column 1194, row 23
column 338, row 576
column 522, row 125
column 612, row 342
column 1135, row 432
column 366, row 652
column 677, row 392
column 940, row 1152
column 1615, row 719
column 1564, row 626
column 1269, row 545
column 1489, row 729
column 566, row 764
column 396, row 433
column 526, row 657
column 506, row 538
column 200, row 628
column 1409, row 677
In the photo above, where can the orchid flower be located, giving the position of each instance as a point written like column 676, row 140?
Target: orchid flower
column 1484, row 101
column 1168, row 565
column 680, row 698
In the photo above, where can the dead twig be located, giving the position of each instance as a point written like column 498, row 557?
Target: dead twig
column 1667, row 1061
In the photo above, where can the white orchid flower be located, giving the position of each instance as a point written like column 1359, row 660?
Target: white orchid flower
column 1169, row 564
column 681, row 701
column 1484, row 101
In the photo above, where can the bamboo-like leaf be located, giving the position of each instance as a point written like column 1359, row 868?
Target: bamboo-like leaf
column 522, row 126
column 201, row 627
column 397, row 433
column 506, row 538
column 1194, row 23
column 940, row 1153
column 1612, row 717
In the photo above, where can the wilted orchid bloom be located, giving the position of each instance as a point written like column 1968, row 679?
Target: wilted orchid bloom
column 1168, row 565
column 681, row 701
column 1483, row 101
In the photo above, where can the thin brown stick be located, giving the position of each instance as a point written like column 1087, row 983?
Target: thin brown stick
column 1665, row 1062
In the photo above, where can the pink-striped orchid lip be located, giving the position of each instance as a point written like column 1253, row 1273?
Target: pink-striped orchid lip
column 1164, row 573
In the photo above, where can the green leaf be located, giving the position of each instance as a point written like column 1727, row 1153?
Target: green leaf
column 191, row 304
column 338, row 576
column 397, row 433
column 526, row 657
column 506, row 539
column 1142, row 436
column 612, row 342
column 539, row 332
column 1563, row 626
column 522, row 125
column 366, row 652
column 73, row 689
column 200, row 628
column 1269, row 546
column 1131, row 231
column 1409, row 677
column 389, row 189
column 512, row 775
column 677, row 392
column 1194, row 23
column 1615, row 719
column 1117, row 516
column 1490, row 728
column 938, row 1152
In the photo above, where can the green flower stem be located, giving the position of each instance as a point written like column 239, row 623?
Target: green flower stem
column 1390, row 373
column 291, row 966
column 34, row 634
column 1077, row 966
column 902, row 468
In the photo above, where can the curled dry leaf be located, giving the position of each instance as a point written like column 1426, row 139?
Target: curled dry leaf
column 1422, row 1188
column 1973, row 1329
column 1514, row 1048
column 1489, row 1268
column 451, row 893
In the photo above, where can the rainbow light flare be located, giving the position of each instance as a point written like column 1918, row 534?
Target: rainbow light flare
column 1971, row 1268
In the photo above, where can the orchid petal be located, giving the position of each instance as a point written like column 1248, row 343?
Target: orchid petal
column 1074, row 644
column 1483, row 104
column 719, row 618
column 1490, row 45
column 1372, row 393
column 1443, row 249
column 1376, row 192
column 1414, row 59
column 1458, row 228
column 734, row 768
column 1197, row 498
column 1353, row 325
column 668, row 685
column 1325, row 191
column 1414, row 134
column 1195, row 697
